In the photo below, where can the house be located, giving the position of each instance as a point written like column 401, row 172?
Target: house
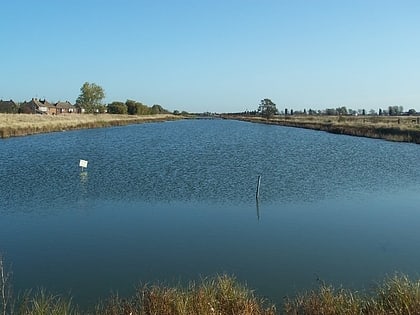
column 64, row 108
column 9, row 107
column 79, row 109
column 35, row 106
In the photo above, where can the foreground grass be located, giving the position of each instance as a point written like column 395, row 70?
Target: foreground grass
column 222, row 295
column 12, row 125
column 396, row 295
column 402, row 128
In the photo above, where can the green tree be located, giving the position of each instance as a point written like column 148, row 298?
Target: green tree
column 143, row 109
column 117, row 108
column 341, row 110
column 157, row 109
column 395, row 110
column 90, row 98
column 131, row 107
column 267, row 108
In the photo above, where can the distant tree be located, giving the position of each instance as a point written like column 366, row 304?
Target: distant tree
column 372, row 112
column 395, row 110
column 131, row 107
column 331, row 112
column 117, row 108
column 380, row 112
column 143, row 109
column 90, row 98
column 363, row 112
column 285, row 111
column 400, row 110
column 157, row 109
column 267, row 108
column 341, row 110
column 412, row 112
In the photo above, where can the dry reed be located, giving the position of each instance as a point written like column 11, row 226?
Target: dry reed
column 27, row 124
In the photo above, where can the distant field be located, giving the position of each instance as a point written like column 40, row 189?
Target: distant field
column 393, row 128
column 26, row 124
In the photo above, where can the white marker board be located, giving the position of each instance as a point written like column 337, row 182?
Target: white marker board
column 83, row 163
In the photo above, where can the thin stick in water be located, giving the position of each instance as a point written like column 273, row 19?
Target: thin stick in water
column 257, row 195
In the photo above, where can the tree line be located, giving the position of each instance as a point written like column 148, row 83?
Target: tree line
column 90, row 100
column 268, row 109
column 92, row 95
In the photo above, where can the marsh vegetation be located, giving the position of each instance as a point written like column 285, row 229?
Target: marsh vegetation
column 393, row 128
column 26, row 124
column 396, row 295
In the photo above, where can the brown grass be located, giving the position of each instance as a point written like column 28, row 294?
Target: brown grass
column 220, row 295
column 403, row 129
column 396, row 295
column 26, row 124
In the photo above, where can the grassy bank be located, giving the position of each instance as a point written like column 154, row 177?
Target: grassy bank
column 12, row 125
column 403, row 129
column 222, row 295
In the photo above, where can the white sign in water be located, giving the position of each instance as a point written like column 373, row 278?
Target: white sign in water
column 83, row 163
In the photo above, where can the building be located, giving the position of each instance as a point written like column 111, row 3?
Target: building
column 9, row 107
column 35, row 106
column 64, row 108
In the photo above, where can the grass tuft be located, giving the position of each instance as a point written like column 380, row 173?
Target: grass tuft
column 396, row 295
column 221, row 295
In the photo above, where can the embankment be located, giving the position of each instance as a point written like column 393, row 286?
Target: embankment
column 14, row 125
column 401, row 129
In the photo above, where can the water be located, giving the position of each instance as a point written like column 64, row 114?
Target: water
column 175, row 202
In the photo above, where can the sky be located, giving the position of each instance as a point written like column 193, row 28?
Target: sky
column 214, row 55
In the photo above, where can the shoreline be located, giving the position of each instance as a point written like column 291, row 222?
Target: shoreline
column 397, row 129
column 390, row 128
column 17, row 125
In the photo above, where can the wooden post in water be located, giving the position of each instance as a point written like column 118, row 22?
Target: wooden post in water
column 257, row 195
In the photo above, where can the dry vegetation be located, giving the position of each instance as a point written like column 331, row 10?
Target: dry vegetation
column 222, row 295
column 26, row 124
column 393, row 128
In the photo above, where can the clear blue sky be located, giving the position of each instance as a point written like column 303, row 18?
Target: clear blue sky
column 214, row 55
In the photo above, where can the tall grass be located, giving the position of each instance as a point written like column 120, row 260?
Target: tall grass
column 43, row 303
column 404, row 129
column 25, row 124
column 396, row 295
column 221, row 295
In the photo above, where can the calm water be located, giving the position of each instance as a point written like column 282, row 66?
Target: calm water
column 175, row 201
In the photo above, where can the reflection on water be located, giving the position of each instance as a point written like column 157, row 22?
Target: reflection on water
column 258, row 208
column 83, row 178
column 175, row 201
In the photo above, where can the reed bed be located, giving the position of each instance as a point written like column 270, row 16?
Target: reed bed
column 402, row 129
column 26, row 124
column 223, row 295
column 220, row 295
column 396, row 295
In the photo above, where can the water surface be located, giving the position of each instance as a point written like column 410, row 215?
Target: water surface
column 175, row 201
